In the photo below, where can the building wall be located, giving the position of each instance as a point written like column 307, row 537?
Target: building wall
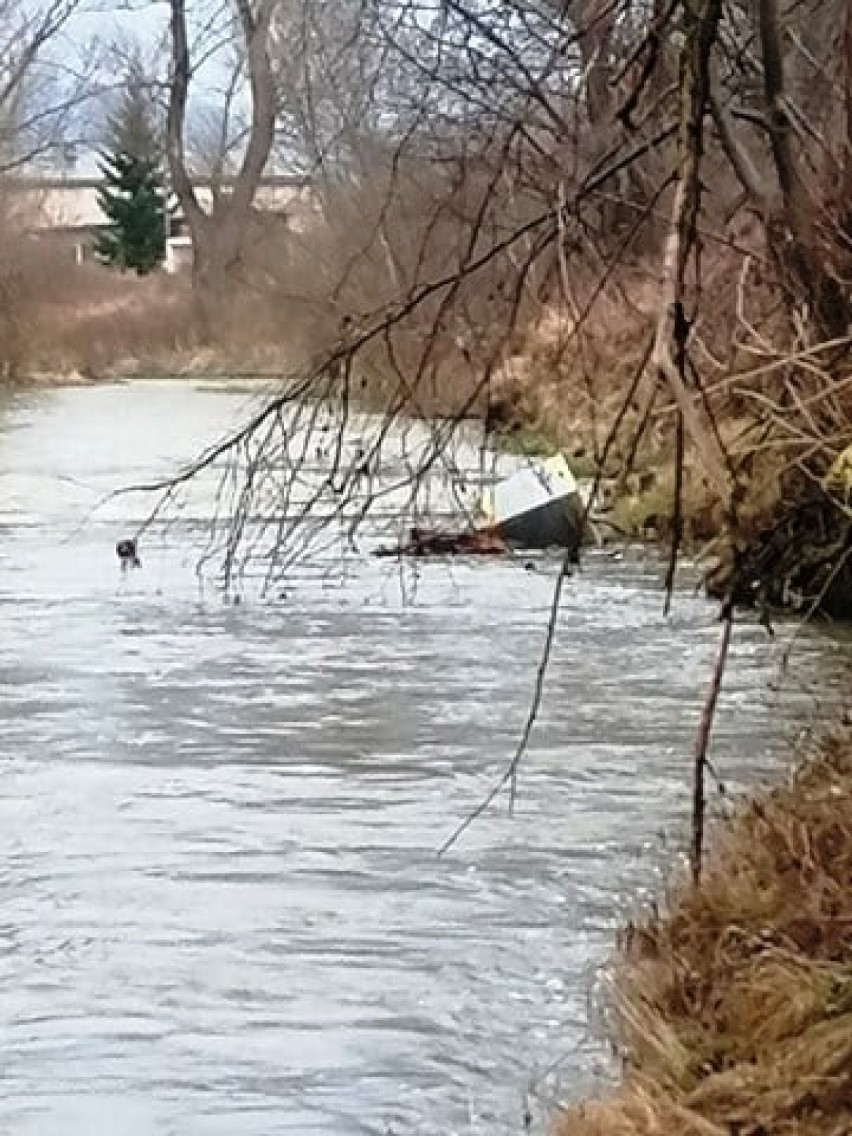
column 72, row 203
column 67, row 212
column 178, row 255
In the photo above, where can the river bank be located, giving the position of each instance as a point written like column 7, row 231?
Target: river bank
column 733, row 1009
column 220, row 831
column 220, row 821
column 782, row 539
column 794, row 555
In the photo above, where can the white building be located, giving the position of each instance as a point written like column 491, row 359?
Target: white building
column 66, row 210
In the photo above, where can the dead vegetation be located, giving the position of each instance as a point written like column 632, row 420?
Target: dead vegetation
column 61, row 321
column 777, row 399
column 733, row 1011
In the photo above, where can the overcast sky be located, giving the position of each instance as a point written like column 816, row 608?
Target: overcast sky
column 127, row 26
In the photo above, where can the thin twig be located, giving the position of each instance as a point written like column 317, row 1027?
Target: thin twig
column 702, row 743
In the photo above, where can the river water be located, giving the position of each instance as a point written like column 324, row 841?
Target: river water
column 221, row 908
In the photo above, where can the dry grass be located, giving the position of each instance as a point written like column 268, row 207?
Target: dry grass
column 374, row 245
column 779, row 402
column 61, row 318
column 734, row 1010
column 107, row 322
column 60, row 321
column 295, row 295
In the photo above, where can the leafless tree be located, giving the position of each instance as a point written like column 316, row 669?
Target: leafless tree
column 530, row 162
column 44, row 80
column 503, row 163
column 218, row 235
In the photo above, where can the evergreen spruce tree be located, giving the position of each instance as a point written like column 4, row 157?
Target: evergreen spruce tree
column 133, row 199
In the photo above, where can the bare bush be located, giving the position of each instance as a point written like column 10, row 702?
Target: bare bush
column 61, row 318
column 727, row 1008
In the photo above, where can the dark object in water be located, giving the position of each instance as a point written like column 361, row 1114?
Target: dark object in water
column 127, row 554
column 555, row 524
column 432, row 542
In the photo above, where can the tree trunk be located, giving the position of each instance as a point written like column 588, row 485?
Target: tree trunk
column 596, row 20
column 847, row 107
column 794, row 241
column 700, row 31
column 218, row 237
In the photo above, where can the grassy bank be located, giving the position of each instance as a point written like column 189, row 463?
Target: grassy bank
column 733, row 1009
column 573, row 377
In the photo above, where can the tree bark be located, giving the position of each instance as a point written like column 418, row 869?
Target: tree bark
column 847, row 101
column 701, row 27
column 796, row 244
column 595, row 22
column 218, row 236
column 176, row 118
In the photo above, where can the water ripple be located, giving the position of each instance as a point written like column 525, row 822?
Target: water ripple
column 220, row 905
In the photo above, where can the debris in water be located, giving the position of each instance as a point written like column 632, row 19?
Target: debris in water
column 538, row 506
column 127, row 554
column 433, row 542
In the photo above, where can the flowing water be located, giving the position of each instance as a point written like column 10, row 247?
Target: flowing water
column 221, row 908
